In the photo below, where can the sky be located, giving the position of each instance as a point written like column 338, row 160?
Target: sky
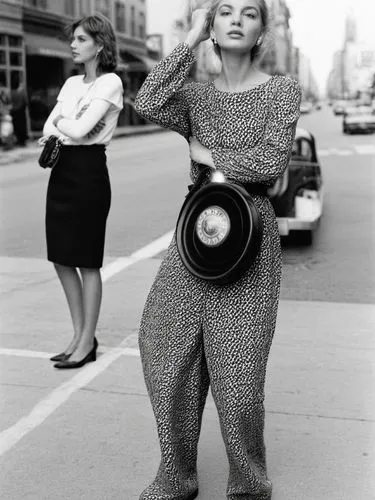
column 318, row 29
column 317, row 26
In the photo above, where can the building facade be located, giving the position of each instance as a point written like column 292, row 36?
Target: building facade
column 34, row 48
column 279, row 57
column 12, row 46
column 353, row 67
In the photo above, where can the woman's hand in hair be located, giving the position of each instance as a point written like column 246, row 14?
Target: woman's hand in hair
column 200, row 28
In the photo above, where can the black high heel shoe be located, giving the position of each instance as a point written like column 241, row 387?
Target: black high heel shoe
column 64, row 357
column 91, row 356
column 61, row 357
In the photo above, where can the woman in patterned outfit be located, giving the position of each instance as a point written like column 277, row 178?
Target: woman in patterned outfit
column 194, row 333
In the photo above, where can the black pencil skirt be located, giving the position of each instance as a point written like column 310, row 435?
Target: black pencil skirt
column 78, row 203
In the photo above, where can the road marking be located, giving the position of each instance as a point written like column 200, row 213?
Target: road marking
column 361, row 149
column 334, row 151
column 42, row 410
column 144, row 253
column 22, row 353
column 365, row 149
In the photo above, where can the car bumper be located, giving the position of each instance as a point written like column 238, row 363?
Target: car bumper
column 308, row 210
column 365, row 127
column 287, row 224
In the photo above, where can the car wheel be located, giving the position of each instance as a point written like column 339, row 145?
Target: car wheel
column 304, row 238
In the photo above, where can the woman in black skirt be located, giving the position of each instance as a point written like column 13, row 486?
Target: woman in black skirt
column 79, row 192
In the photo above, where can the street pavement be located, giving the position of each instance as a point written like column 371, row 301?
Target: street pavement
column 90, row 434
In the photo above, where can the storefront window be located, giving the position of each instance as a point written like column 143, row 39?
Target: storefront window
column 70, row 8
column 16, row 58
column 120, row 16
column 11, row 60
column 15, row 41
column 15, row 78
column 3, row 78
column 133, row 21
column 142, row 33
column 104, row 7
column 85, row 7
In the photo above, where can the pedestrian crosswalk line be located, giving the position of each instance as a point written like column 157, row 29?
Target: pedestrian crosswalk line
column 147, row 252
column 365, row 149
column 23, row 353
column 42, row 410
column 334, row 151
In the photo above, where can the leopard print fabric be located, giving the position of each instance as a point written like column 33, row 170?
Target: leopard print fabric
column 195, row 334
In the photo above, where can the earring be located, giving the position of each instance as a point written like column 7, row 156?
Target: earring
column 259, row 41
column 213, row 40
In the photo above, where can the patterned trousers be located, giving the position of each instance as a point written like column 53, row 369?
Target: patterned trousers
column 195, row 334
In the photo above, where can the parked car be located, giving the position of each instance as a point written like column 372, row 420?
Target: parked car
column 339, row 107
column 358, row 119
column 297, row 196
column 306, row 107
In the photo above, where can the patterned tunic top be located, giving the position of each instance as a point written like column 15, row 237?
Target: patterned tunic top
column 249, row 133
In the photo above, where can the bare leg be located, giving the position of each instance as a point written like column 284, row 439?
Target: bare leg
column 92, row 297
column 72, row 286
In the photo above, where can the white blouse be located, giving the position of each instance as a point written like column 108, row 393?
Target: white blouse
column 75, row 97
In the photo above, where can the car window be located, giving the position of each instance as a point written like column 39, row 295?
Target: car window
column 302, row 150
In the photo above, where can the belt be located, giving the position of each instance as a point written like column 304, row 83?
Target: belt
column 252, row 188
column 255, row 188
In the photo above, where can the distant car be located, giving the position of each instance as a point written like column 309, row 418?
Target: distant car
column 306, row 107
column 297, row 196
column 339, row 107
column 358, row 119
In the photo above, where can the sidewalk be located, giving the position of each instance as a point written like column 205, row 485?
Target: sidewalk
column 32, row 150
column 91, row 435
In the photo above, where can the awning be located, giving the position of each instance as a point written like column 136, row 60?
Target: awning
column 39, row 45
column 145, row 64
column 135, row 62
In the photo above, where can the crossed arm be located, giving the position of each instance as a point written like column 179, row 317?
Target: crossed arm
column 77, row 128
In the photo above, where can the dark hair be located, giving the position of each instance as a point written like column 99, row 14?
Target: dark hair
column 257, row 50
column 100, row 29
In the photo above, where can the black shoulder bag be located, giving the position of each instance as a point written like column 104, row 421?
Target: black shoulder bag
column 51, row 152
column 219, row 229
